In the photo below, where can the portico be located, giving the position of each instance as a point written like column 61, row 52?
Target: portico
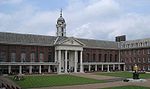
column 68, row 55
column 69, row 58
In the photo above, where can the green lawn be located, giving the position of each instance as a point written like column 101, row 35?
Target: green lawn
column 123, row 74
column 128, row 87
column 54, row 80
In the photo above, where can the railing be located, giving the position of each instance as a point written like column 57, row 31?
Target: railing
column 102, row 63
column 28, row 63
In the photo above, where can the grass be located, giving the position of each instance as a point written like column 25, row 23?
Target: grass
column 128, row 87
column 54, row 80
column 123, row 74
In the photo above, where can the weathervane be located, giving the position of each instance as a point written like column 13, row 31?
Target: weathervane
column 61, row 12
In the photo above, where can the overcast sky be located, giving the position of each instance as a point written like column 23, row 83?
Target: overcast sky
column 94, row 19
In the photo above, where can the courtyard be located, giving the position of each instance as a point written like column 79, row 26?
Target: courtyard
column 97, row 80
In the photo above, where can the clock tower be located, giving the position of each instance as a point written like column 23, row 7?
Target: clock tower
column 61, row 26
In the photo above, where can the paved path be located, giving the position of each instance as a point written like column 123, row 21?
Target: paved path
column 99, row 85
column 118, row 82
column 94, row 76
column 7, row 81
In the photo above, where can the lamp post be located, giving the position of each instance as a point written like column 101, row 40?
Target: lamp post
column 135, row 74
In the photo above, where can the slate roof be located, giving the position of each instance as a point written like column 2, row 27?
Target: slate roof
column 30, row 39
column 91, row 43
column 26, row 39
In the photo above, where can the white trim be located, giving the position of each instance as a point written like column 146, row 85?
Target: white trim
column 148, row 60
column 102, row 63
column 56, row 40
column 69, row 48
column 148, row 67
column 73, row 39
column 28, row 63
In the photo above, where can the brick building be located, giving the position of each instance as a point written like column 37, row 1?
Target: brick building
column 28, row 53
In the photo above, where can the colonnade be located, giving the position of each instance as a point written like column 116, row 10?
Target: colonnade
column 58, row 58
column 107, row 66
column 30, row 69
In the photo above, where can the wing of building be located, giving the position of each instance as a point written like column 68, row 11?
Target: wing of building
column 28, row 53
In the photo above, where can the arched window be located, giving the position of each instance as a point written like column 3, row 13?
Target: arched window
column 88, row 57
column 141, row 44
column 143, row 60
column 50, row 57
column 110, row 57
column 100, row 58
column 105, row 57
column 13, row 57
column 136, row 44
column 41, row 57
column 139, row 60
column 2, row 56
column 23, row 57
column 32, row 57
column 94, row 57
column 116, row 57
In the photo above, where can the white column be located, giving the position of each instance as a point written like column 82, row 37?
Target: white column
column 9, row 69
column 113, row 66
column 95, row 67
column 39, row 69
column 102, row 67
column 107, row 68
column 118, row 66
column 59, row 61
column 81, row 65
column 75, row 61
column 30, row 69
column 66, row 61
column 89, row 68
column 20, row 69
column 55, row 55
column 49, row 68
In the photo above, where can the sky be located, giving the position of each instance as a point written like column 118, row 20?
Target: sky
column 91, row 19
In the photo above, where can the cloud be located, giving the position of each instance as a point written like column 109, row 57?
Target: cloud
column 10, row 1
column 96, row 19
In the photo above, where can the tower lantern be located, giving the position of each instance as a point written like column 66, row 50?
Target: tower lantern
column 61, row 26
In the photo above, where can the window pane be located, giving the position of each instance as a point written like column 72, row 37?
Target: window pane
column 32, row 57
column 23, row 57
column 41, row 57
column 13, row 57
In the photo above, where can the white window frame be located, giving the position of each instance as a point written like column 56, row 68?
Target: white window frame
column 148, row 67
column 41, row 57
column 139, row 60
column 32, row 57
column 143, row 60
column 148, row 60
column 143, row 51
column 2, row 56
column 13, row 57
column 148, row 51
column 23, row 57
column 144, row 68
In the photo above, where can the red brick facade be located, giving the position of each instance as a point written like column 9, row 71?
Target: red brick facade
column 48, row 52
column 140, row 56
column 100, row 55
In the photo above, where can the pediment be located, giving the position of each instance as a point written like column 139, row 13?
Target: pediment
column 71, row 41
